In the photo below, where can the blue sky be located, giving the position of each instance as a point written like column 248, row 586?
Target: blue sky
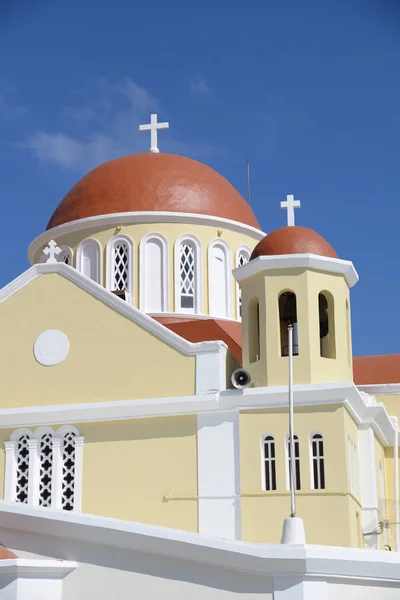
column 308, row 90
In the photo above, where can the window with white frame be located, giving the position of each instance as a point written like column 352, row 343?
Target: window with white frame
column 88, row 259
column 44, row 468
column 269, row 465
column 289, row 462
column 318, row 462
column 120, row 265
column 153, row 267
column 187, row 275
column 219, row 279
column 242, row 258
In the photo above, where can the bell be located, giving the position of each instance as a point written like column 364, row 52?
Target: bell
column 323, row 316
column 289, row 308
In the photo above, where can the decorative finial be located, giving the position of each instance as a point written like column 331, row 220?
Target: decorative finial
column 153, row 126
column 290, row 205
column 52, row 250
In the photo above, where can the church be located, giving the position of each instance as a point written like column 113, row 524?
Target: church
column 146, row 361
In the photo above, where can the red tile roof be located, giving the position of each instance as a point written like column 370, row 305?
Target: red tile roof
column 381, row 369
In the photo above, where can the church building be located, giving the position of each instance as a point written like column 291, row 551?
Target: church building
column 146, row 357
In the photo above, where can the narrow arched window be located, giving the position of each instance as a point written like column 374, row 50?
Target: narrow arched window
column 288, row 316
column 68, row 471
column 254, row 330
column 154, row 274
column 242, row 258
column 88, row 259
column 326, row 325
column 219, row 279
column 45, row 469
column 22, row 468
column 188, row 292
column 318, row 462
column 65, row 256
column 269, row 467
column 120, row 266
column 296, row 459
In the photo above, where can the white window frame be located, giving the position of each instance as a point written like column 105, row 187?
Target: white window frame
column 198, row 273
column 287, row 459
column 240, row 250
column 228, row 277
column 142, row 270
column 263, row 462
column 79, row 257
column 311, row 439
column 110, row 263
column 34, row 466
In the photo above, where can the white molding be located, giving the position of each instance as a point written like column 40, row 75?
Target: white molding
column 10, row 477
column 365, row 456
column 228, row 277
column 33, row 472
column 218, row 472
column 132, row 218
column 211, row 373
column 385, row 389
column 245, row 250
column 56, row 483
column 198, row 273
column 190, row 317
column 33, row 579
column 297, row 261
column 108, row 298
column 110, row 264
column 79, row 255
column 165, row 271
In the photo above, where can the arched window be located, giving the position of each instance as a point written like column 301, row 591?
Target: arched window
column 318, row 462
column 120, row 266
column 242, row 258
column 254, row 330
column 289, row 462
column 88, row 259
column 288, row 316
column 154, row 273
column 65, row 256
column 44, row 468
column 219, row 279
column 269, row 466
column 326, row 325
column 188, row 291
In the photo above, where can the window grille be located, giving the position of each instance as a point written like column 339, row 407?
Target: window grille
column 45, row 469
column 269, row 463
column 121, row 266
column 297, row 461
column 68, row 472
column 318, row 461
column 187, row 276
column 22, row 479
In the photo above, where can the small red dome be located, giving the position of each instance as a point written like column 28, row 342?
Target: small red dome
column 293, row 240
column 153, row 182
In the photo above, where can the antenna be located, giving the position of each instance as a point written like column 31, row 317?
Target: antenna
column 248, row 180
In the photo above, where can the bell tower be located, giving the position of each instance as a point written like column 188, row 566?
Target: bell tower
column 294, row 277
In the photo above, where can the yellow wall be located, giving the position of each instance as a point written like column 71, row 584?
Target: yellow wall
column 172, row 231
column 309, row 366
column 110, row 357
column 329, row 515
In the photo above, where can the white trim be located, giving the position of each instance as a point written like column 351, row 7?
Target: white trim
column 366, row 488
column 165, row 271
column 190, row 317
column 296, row 261
column 263, row 439
column 124, row 308
column 10, row 477
column 239, row 251
column 132, row 218
column 198, row 273
column 33, row 472
column 228, row 277
column 79, row 255
column 56, row 484
column 78, row 473
column 385, row 389
column 311, row 459
column 110, row 263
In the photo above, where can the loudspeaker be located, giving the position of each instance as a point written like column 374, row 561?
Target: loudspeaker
column 241, row 379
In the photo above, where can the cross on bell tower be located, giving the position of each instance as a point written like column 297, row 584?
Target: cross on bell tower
column 153, row 126
column 290, row 204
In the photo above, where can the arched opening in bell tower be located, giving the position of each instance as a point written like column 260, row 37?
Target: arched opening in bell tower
column 288, row 316
column 326, row 325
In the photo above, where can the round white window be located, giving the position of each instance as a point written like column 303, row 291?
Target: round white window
column 51, row 347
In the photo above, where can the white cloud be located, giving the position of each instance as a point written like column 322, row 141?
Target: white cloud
column 112, row 121
column 199, row 86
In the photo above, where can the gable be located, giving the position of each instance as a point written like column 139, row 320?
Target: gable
column 110, row 356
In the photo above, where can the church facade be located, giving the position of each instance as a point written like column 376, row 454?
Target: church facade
column 133, row 454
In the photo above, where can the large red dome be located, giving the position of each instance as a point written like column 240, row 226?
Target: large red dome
column 153, row 182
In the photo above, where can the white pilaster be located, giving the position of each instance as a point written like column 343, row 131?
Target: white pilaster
column 368, row 485
column 211, row 371
column 56, row 484
column 34, row 468
column 78, row 474
column 296, row 588
column 10, row 482
column 218, row 474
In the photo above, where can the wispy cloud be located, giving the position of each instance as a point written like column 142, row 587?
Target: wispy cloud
column 8, row 108
column 199, row 86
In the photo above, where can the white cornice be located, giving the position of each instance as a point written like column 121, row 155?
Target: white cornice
column 385, row 389
column 114, row 302
column 33, row 567
column 132, row 218
column 265, row 560
column 362, row 408
column 299, row 261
